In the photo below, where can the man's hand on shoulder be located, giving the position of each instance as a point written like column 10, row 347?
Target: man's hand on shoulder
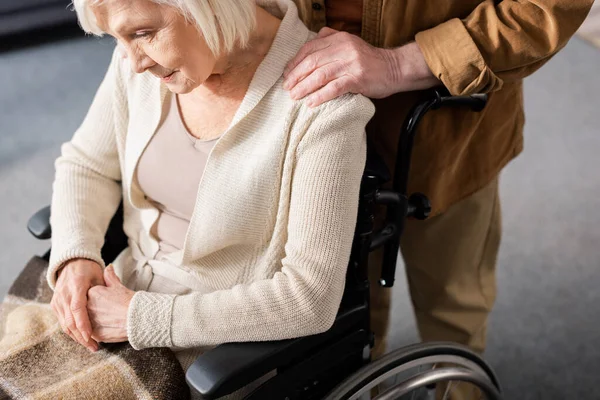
column 336, row 63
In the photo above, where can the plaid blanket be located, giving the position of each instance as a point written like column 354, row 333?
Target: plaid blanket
column 38, row 360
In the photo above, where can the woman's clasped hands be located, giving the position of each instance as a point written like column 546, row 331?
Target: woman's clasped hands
column 91, row 304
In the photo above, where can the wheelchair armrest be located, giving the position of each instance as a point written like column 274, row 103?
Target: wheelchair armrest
column 232, row 366
column 39, row 224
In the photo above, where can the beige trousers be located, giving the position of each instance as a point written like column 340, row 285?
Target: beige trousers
column 450, row 266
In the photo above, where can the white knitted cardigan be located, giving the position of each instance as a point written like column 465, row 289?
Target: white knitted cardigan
column 269, row 240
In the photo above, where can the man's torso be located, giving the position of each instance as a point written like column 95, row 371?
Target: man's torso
column 456, row 152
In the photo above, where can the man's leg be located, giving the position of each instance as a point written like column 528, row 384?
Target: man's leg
column 380, row 298
column 450, row 266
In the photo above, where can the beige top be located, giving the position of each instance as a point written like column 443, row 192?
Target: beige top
column 268, row 244
column 169, row 173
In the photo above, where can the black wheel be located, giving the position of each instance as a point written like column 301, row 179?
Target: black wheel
column 417, row 372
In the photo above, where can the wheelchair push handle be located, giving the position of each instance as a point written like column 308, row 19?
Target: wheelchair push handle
column 476, row 102
column 400, row 205
column 435, row 100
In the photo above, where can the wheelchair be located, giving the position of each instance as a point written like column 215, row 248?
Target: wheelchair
column 336, row 365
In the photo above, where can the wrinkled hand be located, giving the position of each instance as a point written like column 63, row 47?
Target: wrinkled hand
column 107, row 307
column 336, row 63
column 69, row 301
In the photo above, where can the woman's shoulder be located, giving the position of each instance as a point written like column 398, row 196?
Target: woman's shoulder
column 339, row 124
column 349, row 102
column 349, row 108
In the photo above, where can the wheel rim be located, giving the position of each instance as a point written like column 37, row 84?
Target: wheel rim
column 417, row 364
column 445, row 374
column 412, row 361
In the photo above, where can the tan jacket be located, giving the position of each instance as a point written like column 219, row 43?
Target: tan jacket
column 471, row 46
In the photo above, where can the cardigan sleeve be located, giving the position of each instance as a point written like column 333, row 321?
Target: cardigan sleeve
column 86, row 189
column 499, row 41
column 304, row 296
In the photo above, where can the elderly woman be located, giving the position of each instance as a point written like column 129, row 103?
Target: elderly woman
column 239, row 202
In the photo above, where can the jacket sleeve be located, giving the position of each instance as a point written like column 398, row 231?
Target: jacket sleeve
column 304, row 296
column 86, row 189
column 499, row 41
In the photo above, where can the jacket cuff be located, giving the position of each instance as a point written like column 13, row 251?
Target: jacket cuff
column 454, row 58
column 59, row 258
column 149, row 320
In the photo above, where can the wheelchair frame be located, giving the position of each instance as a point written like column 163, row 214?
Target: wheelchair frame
column 310, row 367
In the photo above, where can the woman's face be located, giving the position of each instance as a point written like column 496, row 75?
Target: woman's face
column 158, row 39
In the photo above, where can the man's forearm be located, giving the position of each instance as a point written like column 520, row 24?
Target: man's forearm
column 499, row 42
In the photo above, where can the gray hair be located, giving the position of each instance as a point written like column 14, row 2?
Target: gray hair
column 223, row 23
